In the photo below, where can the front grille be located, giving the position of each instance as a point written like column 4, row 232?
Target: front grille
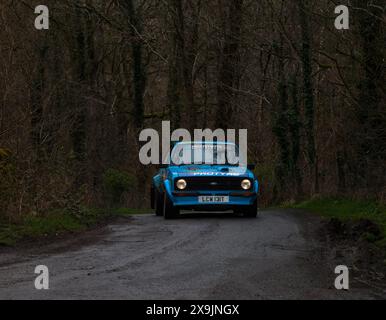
column 213, row 183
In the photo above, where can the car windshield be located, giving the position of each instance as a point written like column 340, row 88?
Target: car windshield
column 200, row 153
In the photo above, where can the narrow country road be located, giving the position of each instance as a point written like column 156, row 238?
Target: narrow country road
column 277, row 256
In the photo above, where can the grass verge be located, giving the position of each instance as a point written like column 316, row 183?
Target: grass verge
column 350, row 211
column 58, row 223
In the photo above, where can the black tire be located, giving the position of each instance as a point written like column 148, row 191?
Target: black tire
column 152, row 199
column 158, row 204
column 170, row 211
column 251, row 211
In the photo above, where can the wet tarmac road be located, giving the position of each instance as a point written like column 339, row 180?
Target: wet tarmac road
column 276, row 256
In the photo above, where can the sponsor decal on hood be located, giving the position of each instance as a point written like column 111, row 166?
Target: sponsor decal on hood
column 211, row 173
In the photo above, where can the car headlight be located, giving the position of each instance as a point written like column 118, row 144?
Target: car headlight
column 181, row 184
column 246, row 184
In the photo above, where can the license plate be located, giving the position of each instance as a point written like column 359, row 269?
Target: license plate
column 213, row 199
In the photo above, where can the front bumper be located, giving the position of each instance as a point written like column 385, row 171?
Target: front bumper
column 192, row 201
column 189, row 200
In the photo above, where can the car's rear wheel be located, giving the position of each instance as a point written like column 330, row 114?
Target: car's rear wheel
column 170, row 211
column 251, row 211
column 152, row 195
column 158, row 203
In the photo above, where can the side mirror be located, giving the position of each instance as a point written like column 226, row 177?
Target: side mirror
column 251, row 167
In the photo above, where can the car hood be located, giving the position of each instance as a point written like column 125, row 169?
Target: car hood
column 210, row 170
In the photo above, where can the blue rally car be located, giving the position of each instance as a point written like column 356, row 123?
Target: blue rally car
column 198, row 181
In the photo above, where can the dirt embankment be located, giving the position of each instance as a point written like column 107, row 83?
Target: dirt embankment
column 353, row 243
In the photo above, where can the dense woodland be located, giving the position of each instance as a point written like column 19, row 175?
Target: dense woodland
column 74, row 98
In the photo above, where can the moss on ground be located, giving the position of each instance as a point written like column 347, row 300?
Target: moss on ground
column 58, row 223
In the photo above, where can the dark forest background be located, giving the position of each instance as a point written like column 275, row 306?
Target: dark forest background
column 73, row 99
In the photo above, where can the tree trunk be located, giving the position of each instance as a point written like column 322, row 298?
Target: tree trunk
column 139, row 74
column 229, row 68
column 306, row 57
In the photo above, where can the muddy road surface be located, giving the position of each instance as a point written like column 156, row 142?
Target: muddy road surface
column 211, row 256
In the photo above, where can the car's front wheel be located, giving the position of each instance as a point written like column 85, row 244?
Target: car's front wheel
column 251, row 211
column 170, row 211
column 158, row 203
